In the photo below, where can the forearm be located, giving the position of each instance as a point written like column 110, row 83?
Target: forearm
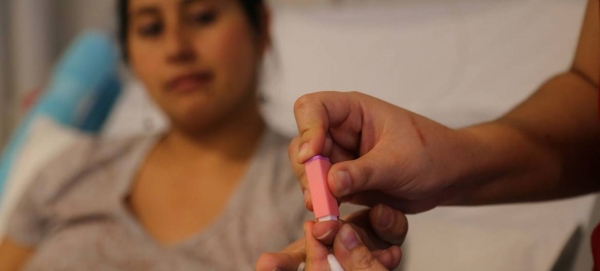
column 546, row 148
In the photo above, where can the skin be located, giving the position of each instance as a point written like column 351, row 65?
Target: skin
column 216, row 124
column 545, row 148
column 380, row 229
column 13, row 256
column 349, row 250
column 548, row 147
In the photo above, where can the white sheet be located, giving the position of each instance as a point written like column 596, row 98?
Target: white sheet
column 45, row 140
column 456, row 61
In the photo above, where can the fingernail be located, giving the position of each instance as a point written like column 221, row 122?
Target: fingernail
column 349, row 237
column 385, row 217
column 322, row 237
column 277, row 269
column 306, row 198
column 304, row 150
column 342, row 183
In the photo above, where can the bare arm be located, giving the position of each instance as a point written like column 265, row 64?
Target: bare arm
column 549, row 146
column 13, row 256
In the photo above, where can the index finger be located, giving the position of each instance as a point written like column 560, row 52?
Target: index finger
column 316, row 253
column 315, row 114
column 300, row 172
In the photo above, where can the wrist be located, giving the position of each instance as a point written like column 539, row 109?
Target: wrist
column 482, row 155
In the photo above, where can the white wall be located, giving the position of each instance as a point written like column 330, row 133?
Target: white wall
column 77, row 15
column 455, row 61
column 32, row 44
column 38, row 31
column 4, row 93
column 458, row 62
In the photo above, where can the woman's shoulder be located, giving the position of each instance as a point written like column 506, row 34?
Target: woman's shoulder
column 94, row 150
column 81, row 159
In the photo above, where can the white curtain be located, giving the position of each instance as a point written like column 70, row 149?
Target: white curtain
column 4, row 95
column 33, row 33
column 28, row 47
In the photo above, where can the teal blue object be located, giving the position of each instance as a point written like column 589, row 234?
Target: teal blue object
column 83, row 90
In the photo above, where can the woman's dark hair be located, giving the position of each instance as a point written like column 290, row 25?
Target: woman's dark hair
column 252, row 8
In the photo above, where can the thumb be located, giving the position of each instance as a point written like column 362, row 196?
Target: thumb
column 366, row 173
column 351, row 252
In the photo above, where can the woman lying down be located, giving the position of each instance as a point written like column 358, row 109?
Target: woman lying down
column 213, row 192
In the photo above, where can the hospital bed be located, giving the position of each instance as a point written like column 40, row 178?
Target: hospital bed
column 458, row 62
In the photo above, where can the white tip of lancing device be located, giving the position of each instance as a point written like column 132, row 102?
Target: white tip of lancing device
column 328, row 218
column 301, row 266
column 334, row 265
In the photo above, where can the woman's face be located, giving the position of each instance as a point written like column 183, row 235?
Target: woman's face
column 198, row 59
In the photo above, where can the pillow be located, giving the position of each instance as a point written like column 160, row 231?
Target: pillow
column 45, row 141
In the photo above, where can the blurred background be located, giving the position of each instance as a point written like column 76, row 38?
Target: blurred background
column 32, row 35
column 458, row 62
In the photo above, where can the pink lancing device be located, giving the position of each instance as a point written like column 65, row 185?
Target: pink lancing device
column 324, row 204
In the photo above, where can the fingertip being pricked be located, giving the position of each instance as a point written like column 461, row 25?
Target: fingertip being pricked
column 326, row 231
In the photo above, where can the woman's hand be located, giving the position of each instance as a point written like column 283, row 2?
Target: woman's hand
column 381, row 229
column 349, row 251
